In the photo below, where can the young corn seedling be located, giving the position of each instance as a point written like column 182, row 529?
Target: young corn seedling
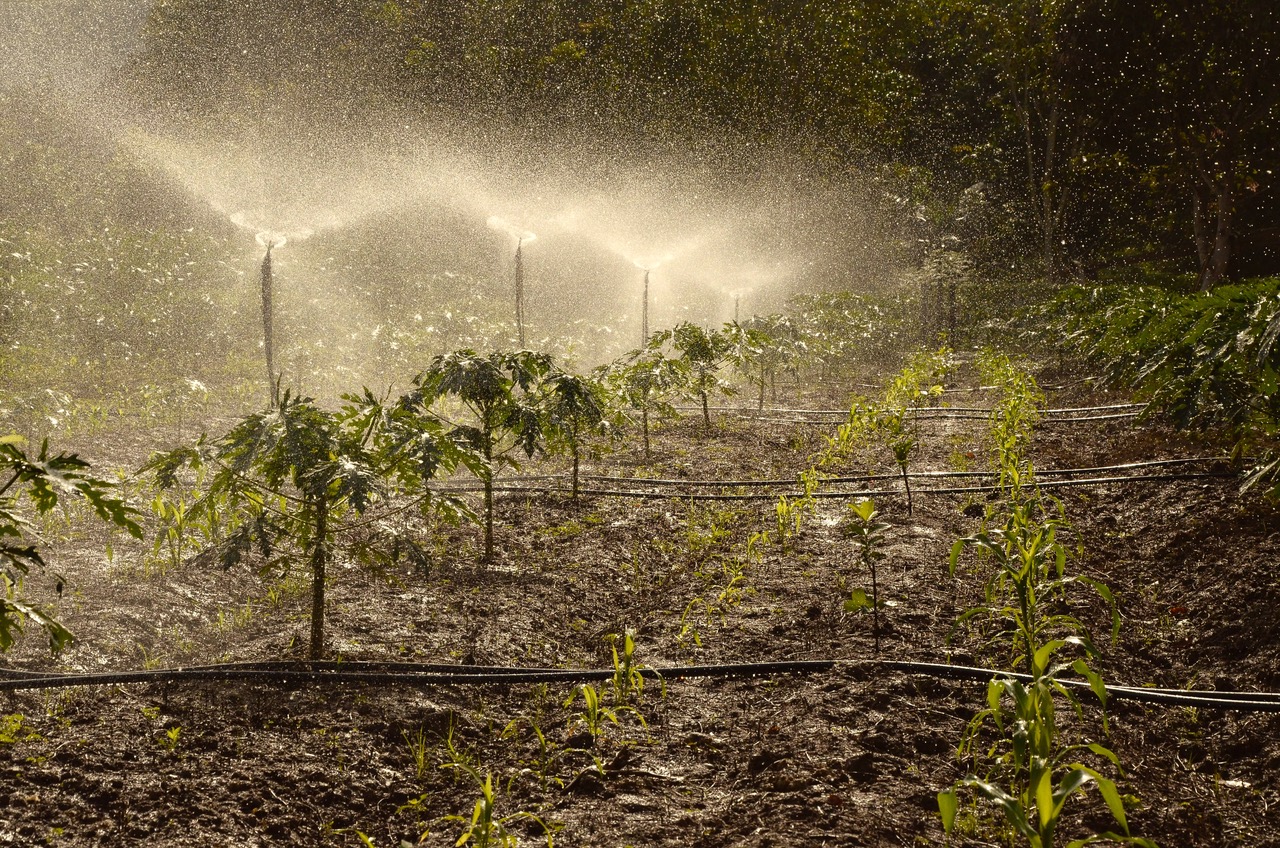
column 868, row 535
column 485, row 828
column 789, row 513
column 628, row 681
column 418, row 751
column 594, row 713
column 1034, row 773
column 1012, row 421
column 1029, row 573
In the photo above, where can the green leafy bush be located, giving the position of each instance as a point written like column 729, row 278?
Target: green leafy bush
column 1209, row 360
column 282, row 479
column 44, row 480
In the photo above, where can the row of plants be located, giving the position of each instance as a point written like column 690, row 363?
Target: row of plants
column 287, row 486
column 278, row 487
column 1208, row 360
column 282, row 483
column 886, row 419
column 1019, row 757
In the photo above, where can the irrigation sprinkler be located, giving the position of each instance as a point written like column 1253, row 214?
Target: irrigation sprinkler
column 737, row 301
column 644, row 312
column 521, row 236
column 270, row 239
column 648, row 266
column 273, row 386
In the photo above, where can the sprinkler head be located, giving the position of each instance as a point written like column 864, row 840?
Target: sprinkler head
column 267, row 236
column 504, row 226
column 270, row 240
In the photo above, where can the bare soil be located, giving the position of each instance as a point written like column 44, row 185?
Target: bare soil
column 852, row 757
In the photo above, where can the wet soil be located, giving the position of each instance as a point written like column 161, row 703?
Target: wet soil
column 854, row 756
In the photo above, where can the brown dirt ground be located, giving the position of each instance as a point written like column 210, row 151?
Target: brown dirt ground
column 853, row 757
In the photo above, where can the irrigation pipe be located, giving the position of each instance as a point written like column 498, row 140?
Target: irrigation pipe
column 1262, row 702
column 865, row 493
column 778, row 410
column 659, row 481
column 416, row 674
column 354, row 673
column 960, row 416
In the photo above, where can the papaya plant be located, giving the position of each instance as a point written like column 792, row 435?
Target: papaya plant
column 773, row 344
column 283, row 479
column 44, row 480
column 704, row 353
column 645, row 381
column 500, row 393
column 574, row 408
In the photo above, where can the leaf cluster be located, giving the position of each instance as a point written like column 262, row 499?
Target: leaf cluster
column 44, row 480
column 268, row 477
column 1208, row 360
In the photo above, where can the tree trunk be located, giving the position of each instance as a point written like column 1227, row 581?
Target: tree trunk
column 760, row 405
column 318, row 554
column 1050, row 194
column 1220, row 258
column 644, row 426
column 706, row 412
column 488, row 494
column 1200, row 228
column 575, row 469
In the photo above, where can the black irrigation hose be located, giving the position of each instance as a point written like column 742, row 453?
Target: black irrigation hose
column 918, row 410
column 1261, row 702
column 1052, row 419
column 865, row 493
column 963, row 416
column 356, row 672
column 861, row 478
column 415, row 674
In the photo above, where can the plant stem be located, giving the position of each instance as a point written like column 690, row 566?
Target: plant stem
column 906, row 479
column 875, row 607
column 575, row 469
column 12, row 480
column 488, row 493
column 321, row 506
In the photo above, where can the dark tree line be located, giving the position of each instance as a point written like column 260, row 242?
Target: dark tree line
column 1062, row 135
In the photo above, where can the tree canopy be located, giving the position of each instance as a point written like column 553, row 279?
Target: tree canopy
column 1093, row 128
